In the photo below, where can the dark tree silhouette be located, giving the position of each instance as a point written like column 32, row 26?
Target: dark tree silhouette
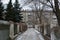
column 13, row 13
column 1, row 10
column 56, row 9
column 9, row 14
column 17, row 11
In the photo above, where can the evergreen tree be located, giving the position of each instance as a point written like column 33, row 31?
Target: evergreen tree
column 13, row 13
column 1, row 10
column 9, row 14
column 17, row 11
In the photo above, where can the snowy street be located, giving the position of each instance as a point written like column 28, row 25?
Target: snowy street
column 30, row 34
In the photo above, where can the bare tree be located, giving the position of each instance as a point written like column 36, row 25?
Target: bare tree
column 55, row 8
column 38, row 11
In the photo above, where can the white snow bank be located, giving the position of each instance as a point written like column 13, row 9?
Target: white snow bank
column 4, row 22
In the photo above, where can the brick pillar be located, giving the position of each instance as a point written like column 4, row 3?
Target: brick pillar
column 18, row 29
column 45, row 30
column 11, row 30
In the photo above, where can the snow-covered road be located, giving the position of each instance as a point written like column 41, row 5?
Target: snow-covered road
column 30, row 34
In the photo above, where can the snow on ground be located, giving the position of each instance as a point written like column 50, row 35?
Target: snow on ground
column 30, row 34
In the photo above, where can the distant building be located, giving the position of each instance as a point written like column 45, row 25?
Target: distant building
column 48, row 20
column 30, row 17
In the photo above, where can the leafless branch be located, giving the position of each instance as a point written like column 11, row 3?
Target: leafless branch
column 28, row 2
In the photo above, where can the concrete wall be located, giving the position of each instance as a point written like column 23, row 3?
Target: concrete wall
column 4, row 34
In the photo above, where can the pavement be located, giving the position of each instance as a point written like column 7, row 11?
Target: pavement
column 30, row 34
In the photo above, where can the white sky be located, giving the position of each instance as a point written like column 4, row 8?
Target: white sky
column 6, row 1
column 20, row 1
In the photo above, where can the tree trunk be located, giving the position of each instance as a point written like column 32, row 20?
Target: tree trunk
column 57, row 11
column 58, row 18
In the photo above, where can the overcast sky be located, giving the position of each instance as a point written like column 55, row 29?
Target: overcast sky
column 22, row 3
column 6, row 1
